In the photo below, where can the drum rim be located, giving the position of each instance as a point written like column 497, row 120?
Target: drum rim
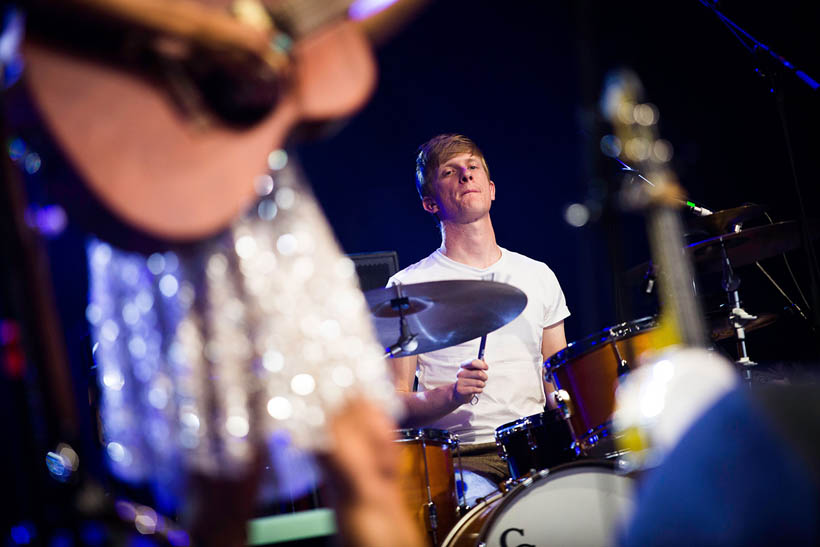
column 581, row 347
column 532, row 478
column 515, row 426
column 467, row 517
column 409, row 434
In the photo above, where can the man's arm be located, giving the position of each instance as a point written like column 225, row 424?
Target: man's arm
column 424, row 407
column 553, row 341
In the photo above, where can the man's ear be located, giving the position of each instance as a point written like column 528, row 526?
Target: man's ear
column 492, row 191
column 429, row 205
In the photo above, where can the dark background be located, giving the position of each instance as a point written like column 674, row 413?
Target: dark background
column 522, row 79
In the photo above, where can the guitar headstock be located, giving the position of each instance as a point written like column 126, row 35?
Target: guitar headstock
column 636, row 143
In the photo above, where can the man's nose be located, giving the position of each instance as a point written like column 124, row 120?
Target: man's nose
column 466, row 175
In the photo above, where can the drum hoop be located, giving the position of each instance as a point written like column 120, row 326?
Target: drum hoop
column 521, row 424
column 533, row 478
column 581, row 347
column 439, row 436
column 469, row 515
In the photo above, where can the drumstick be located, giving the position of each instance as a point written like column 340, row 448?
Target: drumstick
column 481, row 345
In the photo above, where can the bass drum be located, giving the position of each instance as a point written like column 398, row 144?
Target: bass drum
column 581, row 503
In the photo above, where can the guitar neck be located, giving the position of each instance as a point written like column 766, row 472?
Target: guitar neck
column 681, row 317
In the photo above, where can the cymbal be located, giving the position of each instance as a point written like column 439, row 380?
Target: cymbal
column 721, row 329
column 721, row 222
column 748, row 246
column 743, row 247
column 444, row 313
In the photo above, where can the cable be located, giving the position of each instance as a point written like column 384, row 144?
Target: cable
column 791, row 273
column 776, row 286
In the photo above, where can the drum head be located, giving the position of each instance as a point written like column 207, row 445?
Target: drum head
column 582, row 503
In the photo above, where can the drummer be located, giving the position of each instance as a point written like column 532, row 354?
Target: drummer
column 456, row 391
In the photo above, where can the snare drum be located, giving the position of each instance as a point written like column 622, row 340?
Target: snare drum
column 581, row 503
column 588, row 371
column 536, row 442
column 426, row 462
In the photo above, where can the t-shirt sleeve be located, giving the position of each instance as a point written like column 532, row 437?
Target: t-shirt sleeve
column 555, row 305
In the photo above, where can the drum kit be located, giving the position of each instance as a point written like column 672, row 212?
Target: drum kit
column 564, row 458
column 542, row 451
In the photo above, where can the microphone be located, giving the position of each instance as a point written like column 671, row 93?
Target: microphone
column 697, row 210
column 691, row 206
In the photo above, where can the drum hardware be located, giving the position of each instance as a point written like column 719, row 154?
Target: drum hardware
column 407, row 342
column 623, row 364
column 428, row 480
column 725, row 221
column 462, row 497
column 440, row 314
column 562, row 402
column 738, row 317
column 723, row 253
column 432, row 515
column 721, row 327
column 744, row 247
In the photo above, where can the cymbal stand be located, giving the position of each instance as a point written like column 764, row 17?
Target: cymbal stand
column 407, row 343
column 738, row 317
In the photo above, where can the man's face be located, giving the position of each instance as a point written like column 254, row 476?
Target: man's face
column 461, row 190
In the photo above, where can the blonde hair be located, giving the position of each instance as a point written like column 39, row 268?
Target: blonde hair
column 438, row 150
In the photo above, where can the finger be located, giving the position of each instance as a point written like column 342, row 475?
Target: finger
column 474, row 374
column 475, row 364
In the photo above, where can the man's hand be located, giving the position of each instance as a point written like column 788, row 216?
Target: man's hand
column 471, row 380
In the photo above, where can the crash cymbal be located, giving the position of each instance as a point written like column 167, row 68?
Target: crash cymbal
column 748, row 246
column 744, row 247
column 721, row 329
column 722, row 222
column 443, row 313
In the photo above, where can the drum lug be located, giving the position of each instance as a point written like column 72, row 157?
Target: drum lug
column 432, row 517
column 531, row 442
column 502, row 449
column 563, row 403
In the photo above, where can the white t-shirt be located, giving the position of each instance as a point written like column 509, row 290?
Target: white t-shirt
column 513, row 352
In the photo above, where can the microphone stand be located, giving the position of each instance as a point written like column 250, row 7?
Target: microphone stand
column 758, row 48
column 777, row 63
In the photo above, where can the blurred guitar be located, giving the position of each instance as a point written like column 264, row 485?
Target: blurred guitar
column 168, row 109
column 678, row 378
column 636, row 142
